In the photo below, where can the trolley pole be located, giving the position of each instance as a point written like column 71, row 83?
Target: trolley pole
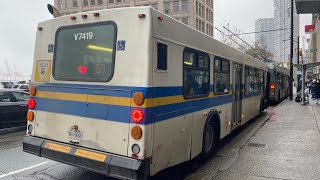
column 291, row 54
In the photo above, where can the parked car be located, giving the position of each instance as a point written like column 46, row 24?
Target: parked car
column 13, row 108
column 23, row 87
column 6, row 84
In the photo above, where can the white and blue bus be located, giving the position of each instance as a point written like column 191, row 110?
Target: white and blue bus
column 129, row 92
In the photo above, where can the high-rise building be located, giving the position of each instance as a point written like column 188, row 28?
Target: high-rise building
column 195, row 13
column 265, row 39
column 282, row 20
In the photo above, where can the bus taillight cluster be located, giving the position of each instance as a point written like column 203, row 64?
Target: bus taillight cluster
column 137, row 116
column 31, row 106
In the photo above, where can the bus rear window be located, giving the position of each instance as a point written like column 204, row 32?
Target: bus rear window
column 85, row 52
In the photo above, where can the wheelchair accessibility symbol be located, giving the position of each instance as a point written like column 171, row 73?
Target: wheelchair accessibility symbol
column 121, row 45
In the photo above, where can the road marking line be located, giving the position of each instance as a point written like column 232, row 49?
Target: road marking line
column 15, row 172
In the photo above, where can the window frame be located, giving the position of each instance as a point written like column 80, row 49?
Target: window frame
column 197, row 52
column 86, row 25
column 156, row 57
column 214, row 76
column 245, row 80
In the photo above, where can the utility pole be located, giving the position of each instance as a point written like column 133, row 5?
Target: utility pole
column 291, row 54
column 298, row 59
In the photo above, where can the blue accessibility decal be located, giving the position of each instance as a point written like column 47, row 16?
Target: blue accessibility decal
column 121, row 46
column 50, row 48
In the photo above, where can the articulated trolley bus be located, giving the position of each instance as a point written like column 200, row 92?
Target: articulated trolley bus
column 129, row 92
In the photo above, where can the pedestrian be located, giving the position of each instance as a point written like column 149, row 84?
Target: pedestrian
column 317, row 91
column 313, row 89
column 309, row 86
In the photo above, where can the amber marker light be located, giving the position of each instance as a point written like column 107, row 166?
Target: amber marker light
column 136, row 132
column 138, row 98
column 32, row 90
column 30, row 116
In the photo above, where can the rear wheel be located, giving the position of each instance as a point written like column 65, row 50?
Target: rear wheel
column 210, row 140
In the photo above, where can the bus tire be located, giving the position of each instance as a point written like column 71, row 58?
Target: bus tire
column 210, row 139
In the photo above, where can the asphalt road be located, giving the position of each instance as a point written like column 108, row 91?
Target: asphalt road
column 15, row 164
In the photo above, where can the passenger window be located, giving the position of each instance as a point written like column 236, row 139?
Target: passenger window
column 162, row 56
column 248, row 81
column 196, row 74
column 7, row 97
column 221, row 76
column 20, row 96
column 256, row 81
column 262, row 81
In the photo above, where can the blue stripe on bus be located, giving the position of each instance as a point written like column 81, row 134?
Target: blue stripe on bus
column 122, row 113
column 119, row 91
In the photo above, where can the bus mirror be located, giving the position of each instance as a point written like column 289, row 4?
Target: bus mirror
column 54, row 11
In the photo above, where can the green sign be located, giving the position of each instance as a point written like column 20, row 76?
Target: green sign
column 312, row 50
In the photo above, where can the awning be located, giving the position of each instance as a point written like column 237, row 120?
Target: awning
column 308, row 6
column 307, row 66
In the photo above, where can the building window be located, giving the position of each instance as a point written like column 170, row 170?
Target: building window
column 92, row 2
column 248, row 81
column 197, row 10
column 162, row 56
column 184, row 6
column 167, row 7
column 111, row 1
column 184, row 20
column 196, row 74
column 99, row 1
column 202, row 10
column 119, row 1
column 155, row 5
column 85, row 3
column 74, row 3
column 221, row 76
column 197, row 24
column 63, row 4
column 175, row 6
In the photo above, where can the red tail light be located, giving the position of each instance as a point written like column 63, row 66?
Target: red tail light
column 84, row 16
column 137, row 115
column 96, row 14
column 272, row 86
column 31, row 103
column 141, row 15
column 73, row 17
column 82, row 69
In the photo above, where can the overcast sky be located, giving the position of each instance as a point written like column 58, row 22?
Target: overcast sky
column 19, row 20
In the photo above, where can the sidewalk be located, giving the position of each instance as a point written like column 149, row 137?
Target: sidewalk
column 287, row 146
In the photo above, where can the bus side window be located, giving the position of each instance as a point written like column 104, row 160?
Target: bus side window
column 162, row 56
column 196, row 80
column 248, row 81
column 221, row 76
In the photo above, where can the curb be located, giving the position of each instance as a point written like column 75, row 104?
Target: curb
column 13, row 129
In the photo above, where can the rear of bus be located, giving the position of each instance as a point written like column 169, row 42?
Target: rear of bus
column 89, row 98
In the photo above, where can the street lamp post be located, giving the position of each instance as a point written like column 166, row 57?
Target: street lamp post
column 291, row 54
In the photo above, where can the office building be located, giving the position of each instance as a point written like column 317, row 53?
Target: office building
column 265, row 39
column 195, row 13
column 282, row 24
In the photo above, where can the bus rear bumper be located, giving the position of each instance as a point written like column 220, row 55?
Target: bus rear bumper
column 104, row 163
